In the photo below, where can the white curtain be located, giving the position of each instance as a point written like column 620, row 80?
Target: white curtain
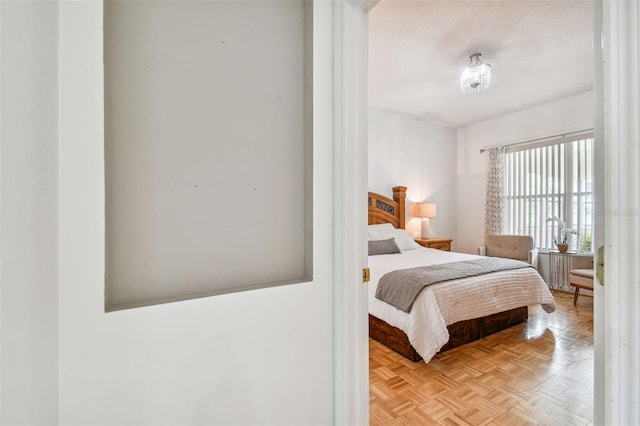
column 494, row 197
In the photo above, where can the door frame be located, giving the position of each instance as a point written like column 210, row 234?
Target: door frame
column 616, row 319
column 351, row 350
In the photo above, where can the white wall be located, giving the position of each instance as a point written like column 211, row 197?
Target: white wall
column 566, row 115
column 29, row 214
column 421, row 156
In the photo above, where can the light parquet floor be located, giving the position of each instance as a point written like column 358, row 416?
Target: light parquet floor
column 536, row 373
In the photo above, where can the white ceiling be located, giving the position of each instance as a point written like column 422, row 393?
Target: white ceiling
column 539, row 51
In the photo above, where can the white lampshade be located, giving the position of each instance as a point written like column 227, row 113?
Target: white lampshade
column 426, row 210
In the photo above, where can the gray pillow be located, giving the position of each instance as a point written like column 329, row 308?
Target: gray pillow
column 383, row 247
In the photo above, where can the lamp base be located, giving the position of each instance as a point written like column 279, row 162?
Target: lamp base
column 427, row 231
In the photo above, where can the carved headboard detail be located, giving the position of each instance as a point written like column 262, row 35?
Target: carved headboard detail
column 385, row 210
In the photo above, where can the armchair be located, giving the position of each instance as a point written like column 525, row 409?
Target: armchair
column 520, row 247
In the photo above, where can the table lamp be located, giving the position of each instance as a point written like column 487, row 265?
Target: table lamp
column 426, row 211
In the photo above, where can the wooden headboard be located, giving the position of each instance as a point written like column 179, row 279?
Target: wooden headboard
column 385, row 210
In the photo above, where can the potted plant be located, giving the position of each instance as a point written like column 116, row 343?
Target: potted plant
column 565, row 233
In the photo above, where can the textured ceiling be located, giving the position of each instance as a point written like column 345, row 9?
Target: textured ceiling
column 539, row 51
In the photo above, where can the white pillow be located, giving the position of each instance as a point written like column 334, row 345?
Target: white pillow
column 402, row 237
column 378, row 227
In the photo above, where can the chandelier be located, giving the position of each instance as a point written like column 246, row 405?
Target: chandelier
column 476, row 76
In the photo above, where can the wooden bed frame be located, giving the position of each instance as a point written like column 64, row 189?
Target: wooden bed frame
column 385, row 210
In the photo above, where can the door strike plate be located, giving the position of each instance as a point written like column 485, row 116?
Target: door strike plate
column 366, row 275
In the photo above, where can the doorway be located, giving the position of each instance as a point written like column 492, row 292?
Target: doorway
column 471, row 181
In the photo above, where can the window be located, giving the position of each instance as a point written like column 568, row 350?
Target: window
column 548, row 184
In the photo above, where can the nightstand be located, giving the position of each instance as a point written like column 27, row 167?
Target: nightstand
column 435, row 243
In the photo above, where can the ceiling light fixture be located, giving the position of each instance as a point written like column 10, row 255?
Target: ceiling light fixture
column 476, row 76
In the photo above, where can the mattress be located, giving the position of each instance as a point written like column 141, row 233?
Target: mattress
column 446, row 303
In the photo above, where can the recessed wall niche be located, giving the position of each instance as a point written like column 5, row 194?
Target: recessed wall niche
column 208, row 150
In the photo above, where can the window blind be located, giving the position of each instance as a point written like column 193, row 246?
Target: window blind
column 548, row 185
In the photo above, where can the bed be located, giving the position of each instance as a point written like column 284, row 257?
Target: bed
column 447, row 314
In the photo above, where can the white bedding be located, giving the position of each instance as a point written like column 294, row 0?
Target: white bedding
column 446, row 303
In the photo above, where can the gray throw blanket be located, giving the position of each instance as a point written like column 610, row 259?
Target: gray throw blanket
column 401, row 288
